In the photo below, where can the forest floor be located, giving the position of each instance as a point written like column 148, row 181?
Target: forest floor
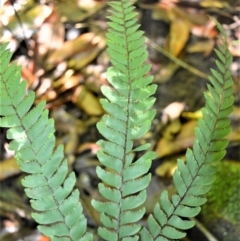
column 62, row 48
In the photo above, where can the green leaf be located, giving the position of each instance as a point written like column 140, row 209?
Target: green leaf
column 107, row 235
column 70, row 203
column 172, row 233
column 31, row 117
column 50, row 216
column 134, row 201
column 109, row 208
column 44, row 203
column 154, row 227
column 59, row 229
column 128, row 230
column 10, row 121
column 109, row 193
column 193, row 201
column 107, row 221
column 111, row 162
column 159, row 215
column 165, row 204
column 145, row 235
column 24, row 106
column 143, row 147
column 112, row 179
column 131, row 216
column 179, row 223
column 188, row 212
column 135, row 171
column 34, row 180
column 134, row 186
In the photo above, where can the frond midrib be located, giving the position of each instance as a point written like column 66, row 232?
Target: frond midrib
column 127, row 121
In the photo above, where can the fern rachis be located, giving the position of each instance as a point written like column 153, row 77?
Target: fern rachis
column 129, row 115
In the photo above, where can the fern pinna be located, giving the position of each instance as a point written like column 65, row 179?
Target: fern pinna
column 129, row 117
column 50, row 189
column 193, row 179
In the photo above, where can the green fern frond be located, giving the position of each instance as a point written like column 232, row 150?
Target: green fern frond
column 129, row 117
column 193, row 179
column 58, row 210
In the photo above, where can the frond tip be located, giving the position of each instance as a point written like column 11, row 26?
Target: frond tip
column 57, row 207
column 194, row 178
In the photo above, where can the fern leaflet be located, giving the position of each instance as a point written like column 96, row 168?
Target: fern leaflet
column 57, row 205
column 193, row 179
column 129, row 117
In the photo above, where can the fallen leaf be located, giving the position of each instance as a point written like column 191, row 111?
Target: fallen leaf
column 9, row 167
column 72, row 47
column 166, row 169
column 68, row 81
column 86, row 101
column 206, row 47
column 182, row 141
column 178, row 36
column 214, row 4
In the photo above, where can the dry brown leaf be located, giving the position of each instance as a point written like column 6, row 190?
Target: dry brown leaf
column 214, row 3
column 8, row 168
column 86, row 101
column 82, row 59
column 166, row 169
column 182, row 141
column 178, row 36
column 68, row 81
column 82, row 43
column 192, row 115
column 207, row 30
column 86, row 57
column 43, row 238
column 78, row 10
column 28, row 75
column 205, row 46
column 92, row 146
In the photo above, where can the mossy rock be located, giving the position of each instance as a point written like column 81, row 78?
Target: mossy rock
column 221, row 214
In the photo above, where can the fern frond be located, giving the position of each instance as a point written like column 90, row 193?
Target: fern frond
column 58, row 210
column 193, row 179
column 129, row 117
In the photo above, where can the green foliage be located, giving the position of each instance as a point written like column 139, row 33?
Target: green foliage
column 227, row 205
column 124, row 180
column 194, row 178
column 58, row 210
column 129, row 117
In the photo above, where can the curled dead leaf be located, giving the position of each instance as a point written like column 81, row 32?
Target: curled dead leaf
column 178, row 36
column 70, row 48
column 86, row 101
column 181, row 142
column 8, row 167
